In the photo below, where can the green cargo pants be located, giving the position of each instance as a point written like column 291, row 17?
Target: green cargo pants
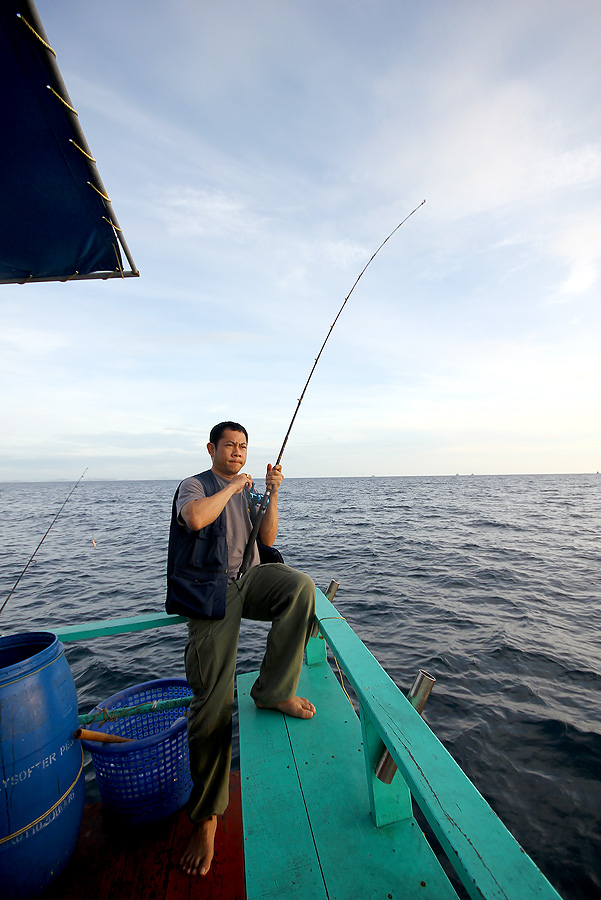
column 269, row 593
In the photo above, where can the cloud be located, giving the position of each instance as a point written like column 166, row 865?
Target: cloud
column 31, row 341
column 256, row 156
column 191, row 213
column 579, row 249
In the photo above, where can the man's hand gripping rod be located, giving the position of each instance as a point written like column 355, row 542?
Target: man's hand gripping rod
column 261, row 511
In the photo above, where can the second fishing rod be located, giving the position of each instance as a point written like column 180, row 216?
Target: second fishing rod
column 265, row 500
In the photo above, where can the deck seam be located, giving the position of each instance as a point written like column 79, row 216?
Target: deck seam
column 302, row 790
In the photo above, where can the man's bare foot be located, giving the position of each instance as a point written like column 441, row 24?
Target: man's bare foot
column 299, row 707
column 198, row 855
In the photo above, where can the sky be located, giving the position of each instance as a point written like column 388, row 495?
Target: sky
column 256, row 155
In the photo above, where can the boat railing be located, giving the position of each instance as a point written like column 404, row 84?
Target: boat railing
column 487, row 858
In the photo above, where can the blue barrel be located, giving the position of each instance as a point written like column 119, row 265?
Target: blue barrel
column 41, row 764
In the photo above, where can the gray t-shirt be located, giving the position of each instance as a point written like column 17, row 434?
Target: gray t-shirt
column 237, row 518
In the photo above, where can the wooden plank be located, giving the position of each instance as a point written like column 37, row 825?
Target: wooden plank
column 116, row 861
column 388, row 803
column 324, row 754
column 115, row 626
column 280, row 856
column 485, row 855
column 358, row 860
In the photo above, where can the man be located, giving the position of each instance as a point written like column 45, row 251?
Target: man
column 210, row 526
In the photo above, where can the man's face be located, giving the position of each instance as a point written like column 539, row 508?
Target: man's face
column 230, row 453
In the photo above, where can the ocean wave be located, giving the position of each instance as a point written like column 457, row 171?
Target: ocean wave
column 489, row 583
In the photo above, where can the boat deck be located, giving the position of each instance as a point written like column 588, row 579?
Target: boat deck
column 320, row 825
column 308, row 832
column 113, row 859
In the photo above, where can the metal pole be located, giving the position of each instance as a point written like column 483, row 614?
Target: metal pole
column 330, row 594
column 102, row 715
column 418, row 695
column 421, row 690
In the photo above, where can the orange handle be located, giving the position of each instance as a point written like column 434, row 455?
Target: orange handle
column 102, row 738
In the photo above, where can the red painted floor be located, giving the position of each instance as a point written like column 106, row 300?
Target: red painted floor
column 125, row 862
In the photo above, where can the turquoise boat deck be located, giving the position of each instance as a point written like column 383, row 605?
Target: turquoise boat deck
column 319, row 824
column 308, row 832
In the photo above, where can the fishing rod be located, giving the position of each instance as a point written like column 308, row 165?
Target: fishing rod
column 261, row 511
column 30, row 560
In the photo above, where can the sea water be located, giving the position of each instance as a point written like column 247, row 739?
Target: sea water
column 491, row 584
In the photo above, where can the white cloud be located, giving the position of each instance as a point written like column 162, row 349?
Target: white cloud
column 31, row 341
column 579, row 249
column 192, row 213
column 256, row 155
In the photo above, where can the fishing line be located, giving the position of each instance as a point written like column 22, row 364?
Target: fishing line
column 30, row 560
column 265, row 500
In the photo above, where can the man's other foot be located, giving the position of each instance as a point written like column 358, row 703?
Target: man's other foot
column 299, row 707
column 198, row 855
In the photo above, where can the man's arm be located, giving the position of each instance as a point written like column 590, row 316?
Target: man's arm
column 269, row 524
column 199, row 513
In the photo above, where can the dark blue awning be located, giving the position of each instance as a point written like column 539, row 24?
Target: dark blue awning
column 56, row 220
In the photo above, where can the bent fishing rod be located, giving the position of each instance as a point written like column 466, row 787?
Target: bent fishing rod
column 261, row 511
column 30, row 560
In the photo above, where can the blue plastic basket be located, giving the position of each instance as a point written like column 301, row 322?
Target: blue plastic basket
column 149, row 778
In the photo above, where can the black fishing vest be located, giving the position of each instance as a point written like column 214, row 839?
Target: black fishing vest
column 197, row 563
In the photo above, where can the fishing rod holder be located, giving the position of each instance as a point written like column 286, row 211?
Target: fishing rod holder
column 330, row 594
column 418, row 696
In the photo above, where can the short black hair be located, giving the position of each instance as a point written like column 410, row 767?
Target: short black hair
column 217, row 431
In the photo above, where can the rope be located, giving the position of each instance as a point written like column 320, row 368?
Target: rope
column 64, row 102
column 15, row 834
column 104, row 196
column 112, row 224
column 81, row 150
column 342, row 683
column 33, row 31
column 319, row 621
column 117, row 255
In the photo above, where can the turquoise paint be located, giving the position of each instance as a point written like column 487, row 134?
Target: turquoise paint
column 388, row 803
column 123, row 713
column 280, row 857
column 321, row 760
column 316, row 651
column 116, row 626
column 487, row 858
